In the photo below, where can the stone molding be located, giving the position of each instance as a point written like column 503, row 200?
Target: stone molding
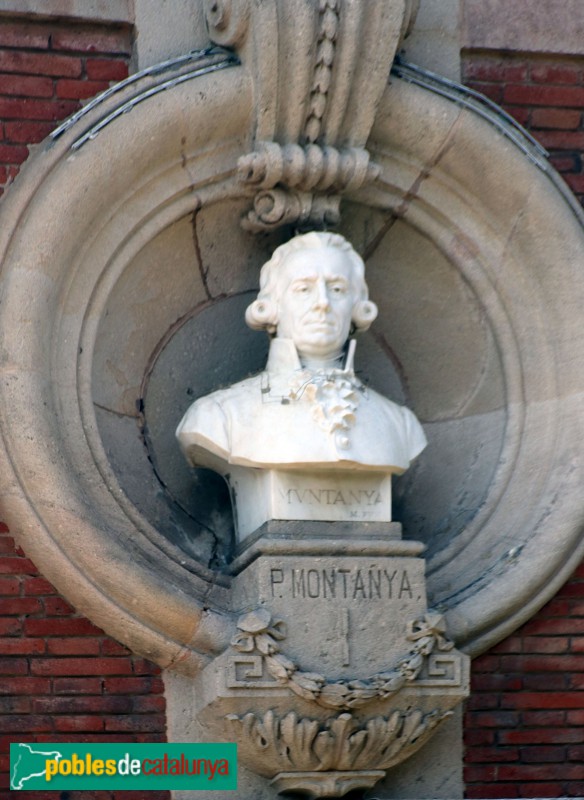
column 258, row 639
column 337, row 745
column 368, row 703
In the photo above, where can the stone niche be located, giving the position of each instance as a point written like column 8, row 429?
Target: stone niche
column 142, row 311
column 125, row 275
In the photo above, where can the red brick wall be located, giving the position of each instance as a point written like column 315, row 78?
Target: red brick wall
column 46, row 70
column 546, row 96
column 61, row 678
column 525, row 718
column 524, row 729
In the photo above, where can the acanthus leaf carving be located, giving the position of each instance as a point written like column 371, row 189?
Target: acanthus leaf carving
column 287, row 743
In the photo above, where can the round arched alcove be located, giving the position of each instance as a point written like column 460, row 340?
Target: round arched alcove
column 144, row 380
column 165, row 337
column 453, row 379
column 125, row 278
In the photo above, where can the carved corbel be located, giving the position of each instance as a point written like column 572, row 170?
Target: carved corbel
column 314, row 177
column 315, row 111
column 324, row 737
column 273, row 208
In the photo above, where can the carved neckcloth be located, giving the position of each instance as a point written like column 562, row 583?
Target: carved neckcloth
column 290, row 417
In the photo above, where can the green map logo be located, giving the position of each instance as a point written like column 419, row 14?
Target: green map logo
column 122, row 766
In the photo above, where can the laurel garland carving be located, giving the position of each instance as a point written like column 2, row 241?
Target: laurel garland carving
column 329, row 12
column 258, row 633
column 341, row 743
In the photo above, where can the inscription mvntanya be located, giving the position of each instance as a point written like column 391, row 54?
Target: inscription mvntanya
column 332, row 497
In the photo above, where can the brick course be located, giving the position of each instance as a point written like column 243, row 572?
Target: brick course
column 545, row 96
column 62, row 678
column 47, row 71
column 524, row 725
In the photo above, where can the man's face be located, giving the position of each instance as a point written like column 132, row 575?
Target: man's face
column 316, row 302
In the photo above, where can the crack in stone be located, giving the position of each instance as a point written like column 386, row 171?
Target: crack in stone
column 119, row 414
column 202, row 271
column 379, row 236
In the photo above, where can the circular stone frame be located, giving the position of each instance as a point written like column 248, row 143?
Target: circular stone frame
column 109, row 183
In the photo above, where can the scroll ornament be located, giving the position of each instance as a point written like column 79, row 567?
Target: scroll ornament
column 301, row 184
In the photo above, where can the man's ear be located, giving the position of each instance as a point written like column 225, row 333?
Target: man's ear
column 262, row 315
column 364, row 313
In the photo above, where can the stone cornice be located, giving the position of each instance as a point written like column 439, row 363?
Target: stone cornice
column 554, row 26
column 121, row 11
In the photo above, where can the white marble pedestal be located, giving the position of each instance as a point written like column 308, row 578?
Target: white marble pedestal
column 349, row 496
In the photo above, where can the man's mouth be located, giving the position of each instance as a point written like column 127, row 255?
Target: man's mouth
column 321, row 322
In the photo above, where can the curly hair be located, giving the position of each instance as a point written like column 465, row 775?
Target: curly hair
column 262, row 314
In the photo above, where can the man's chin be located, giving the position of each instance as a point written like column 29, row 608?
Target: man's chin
column 321, row 350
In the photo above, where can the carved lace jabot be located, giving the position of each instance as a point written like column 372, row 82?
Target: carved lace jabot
column 288, row 415
column 333, row 392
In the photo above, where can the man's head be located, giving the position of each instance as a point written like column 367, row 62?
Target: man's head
column 311, row 291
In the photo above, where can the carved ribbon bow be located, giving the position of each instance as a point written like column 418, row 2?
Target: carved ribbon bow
column 256, row 633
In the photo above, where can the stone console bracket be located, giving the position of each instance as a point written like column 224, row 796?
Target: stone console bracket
column 338, row 671
column 314, row 120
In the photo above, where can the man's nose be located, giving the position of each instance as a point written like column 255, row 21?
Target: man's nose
column 322, row 298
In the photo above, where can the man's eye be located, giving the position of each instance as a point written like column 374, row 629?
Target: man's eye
column 338, row 289
column 301, row 288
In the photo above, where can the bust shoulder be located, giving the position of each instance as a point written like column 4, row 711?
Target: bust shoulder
column 390, row 430
column 206, row 425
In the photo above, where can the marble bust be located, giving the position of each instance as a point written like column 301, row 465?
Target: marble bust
column 307, row 412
